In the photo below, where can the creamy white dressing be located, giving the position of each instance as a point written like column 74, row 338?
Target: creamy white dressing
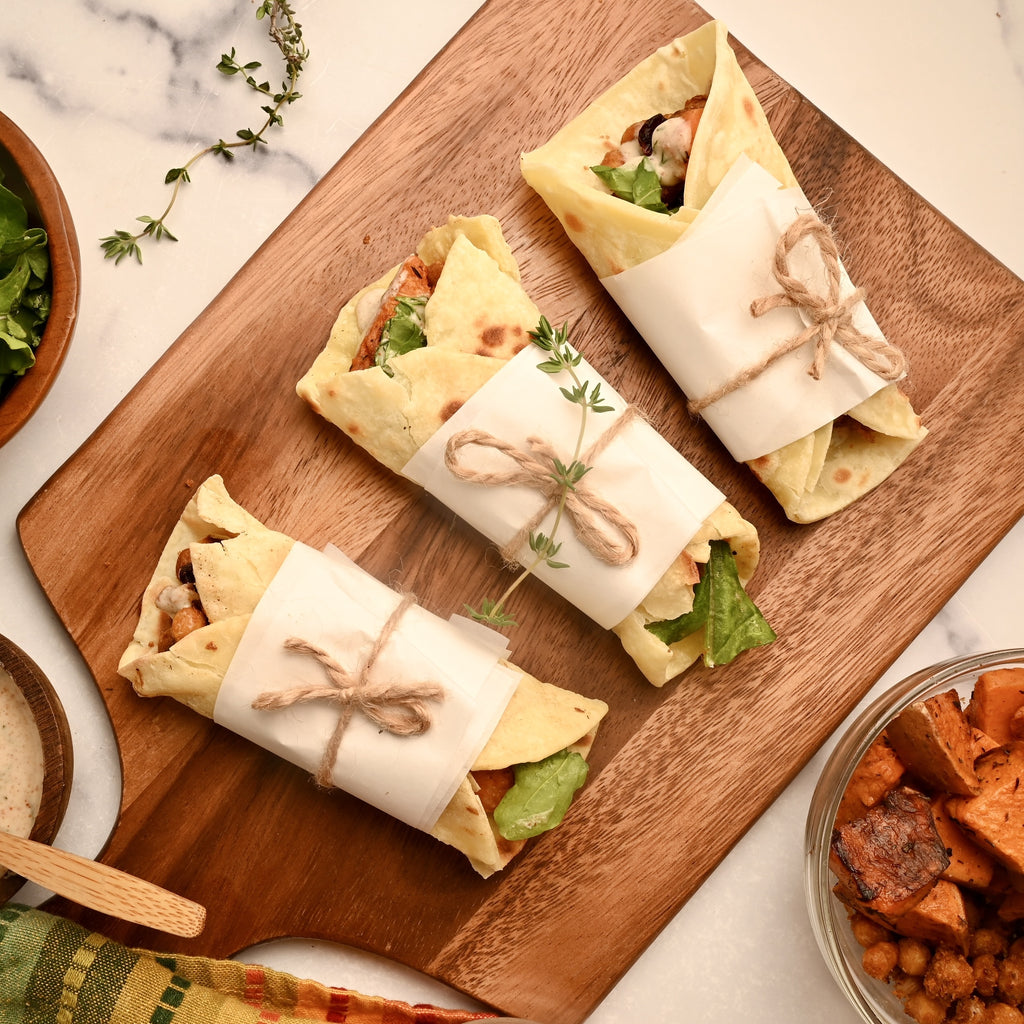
column 21, row 760
column 367, row 307
column 172, row 599
column 670, row 144
column 670, row 151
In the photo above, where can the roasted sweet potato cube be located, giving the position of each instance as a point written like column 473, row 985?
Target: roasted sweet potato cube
column 969, row 864
column 995, row 817
column 983, row 743
column 997, row 696
column 1011, row 906
column 890, row 858
column 879, row 771
column 942, row 918
column 934, row 740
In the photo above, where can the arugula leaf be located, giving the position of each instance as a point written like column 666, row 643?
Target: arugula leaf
column 639, row 185
column 403, row 332
column 731, row 621
column 24, row 286
column 541, row 795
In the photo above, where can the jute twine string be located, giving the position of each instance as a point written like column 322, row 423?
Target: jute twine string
column 397, row 708
column 601, row 527
column 830, row 316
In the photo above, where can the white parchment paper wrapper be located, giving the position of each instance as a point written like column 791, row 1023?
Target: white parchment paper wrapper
column 691, row 304
column 326, row 599
column 639, row 473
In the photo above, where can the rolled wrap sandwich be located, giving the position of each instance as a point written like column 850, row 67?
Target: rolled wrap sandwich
column 238, row 615
column 629, row 179
column 441, row 343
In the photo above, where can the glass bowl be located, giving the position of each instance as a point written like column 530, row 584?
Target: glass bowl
column 874, row 1000
column 28, row 175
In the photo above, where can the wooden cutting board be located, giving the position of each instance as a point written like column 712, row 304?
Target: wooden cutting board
column 678, row 774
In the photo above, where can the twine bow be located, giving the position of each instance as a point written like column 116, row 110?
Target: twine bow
column 830, row 315
column 601, row 527
column 397, row 708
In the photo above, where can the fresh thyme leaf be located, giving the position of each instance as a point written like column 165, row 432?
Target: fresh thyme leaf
column 286, row 34
column 541, row 795
column 489, row 612
column 731, row 621
column 566, row 476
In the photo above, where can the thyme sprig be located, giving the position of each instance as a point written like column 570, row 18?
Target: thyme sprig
column 545, row 548
column 286, row 34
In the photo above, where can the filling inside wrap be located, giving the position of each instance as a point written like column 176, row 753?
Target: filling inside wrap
column 459, row 313
column 630, row 174
column 214, row 568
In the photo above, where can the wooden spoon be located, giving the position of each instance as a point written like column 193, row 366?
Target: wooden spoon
column 101, row 887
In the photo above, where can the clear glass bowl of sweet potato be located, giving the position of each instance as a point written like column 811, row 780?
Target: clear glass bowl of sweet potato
column 915, row 848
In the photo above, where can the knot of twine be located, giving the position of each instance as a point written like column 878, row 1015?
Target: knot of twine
column 830, row 316
column 601, row 527
column 395, row 707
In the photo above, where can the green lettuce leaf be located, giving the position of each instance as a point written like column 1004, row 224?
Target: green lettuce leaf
column 730, row 620
column 541, row 795
column 639, row 185
column 403, row 332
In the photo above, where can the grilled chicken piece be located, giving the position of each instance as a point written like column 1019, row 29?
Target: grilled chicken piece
column 411, row 279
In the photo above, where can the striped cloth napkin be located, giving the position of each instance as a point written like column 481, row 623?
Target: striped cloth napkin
column 53, row 971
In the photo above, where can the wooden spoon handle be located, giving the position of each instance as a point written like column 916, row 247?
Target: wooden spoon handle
column 101, row 887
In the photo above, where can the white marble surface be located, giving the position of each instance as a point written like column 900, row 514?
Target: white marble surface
column 116, row 91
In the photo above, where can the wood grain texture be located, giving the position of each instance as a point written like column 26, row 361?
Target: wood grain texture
column 678, row 774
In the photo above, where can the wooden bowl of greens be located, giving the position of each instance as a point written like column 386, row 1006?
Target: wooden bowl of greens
column 40, row 273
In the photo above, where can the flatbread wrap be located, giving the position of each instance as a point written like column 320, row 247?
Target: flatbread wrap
column 628, row 179
column 217, row 568
column 395, row 390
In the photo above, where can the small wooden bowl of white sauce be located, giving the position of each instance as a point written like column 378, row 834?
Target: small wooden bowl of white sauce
column 35, row 755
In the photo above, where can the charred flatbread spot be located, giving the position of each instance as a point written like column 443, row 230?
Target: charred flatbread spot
column 450, row 410
column 749, row 109
column 842, row 475
column 493, row 336
column 353, row 429
column 573, row 223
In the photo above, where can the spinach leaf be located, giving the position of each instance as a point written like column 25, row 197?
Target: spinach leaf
column 731, row 621
column 24, row 287
column 639, row 185
column 541, row 795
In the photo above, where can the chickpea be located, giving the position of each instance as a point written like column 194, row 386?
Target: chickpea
column 905, row 985
column 926, row 1009
column 1003, row 1013
column 868, row 932
column 1011, row 978
column 969, row 1011
column 914, row 956
column 988, row 940
column 986, row 974
column 880, row 959
column 949, row 975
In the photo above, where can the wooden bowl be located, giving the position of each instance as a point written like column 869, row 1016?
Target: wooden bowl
column 28, row 175
column 58, row 760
